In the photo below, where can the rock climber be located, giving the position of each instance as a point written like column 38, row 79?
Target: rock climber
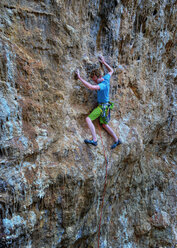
column 104, row 106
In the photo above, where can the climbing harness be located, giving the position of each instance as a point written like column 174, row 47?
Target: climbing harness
column 104, row 187
column 106, row 111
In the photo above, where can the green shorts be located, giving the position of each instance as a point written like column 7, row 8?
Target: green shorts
column 95, row 114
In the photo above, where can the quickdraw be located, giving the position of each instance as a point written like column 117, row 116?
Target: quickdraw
column 106, row 113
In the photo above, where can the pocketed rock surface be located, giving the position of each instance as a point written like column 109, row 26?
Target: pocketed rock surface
column 51, row 183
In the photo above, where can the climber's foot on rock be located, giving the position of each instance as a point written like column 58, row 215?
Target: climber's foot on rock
column 116, row 144
column 92, row 142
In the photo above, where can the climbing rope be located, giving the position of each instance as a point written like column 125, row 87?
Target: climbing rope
column 104, row 187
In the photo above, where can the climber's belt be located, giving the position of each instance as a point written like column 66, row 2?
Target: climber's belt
column 106, row 114
column 102, row 111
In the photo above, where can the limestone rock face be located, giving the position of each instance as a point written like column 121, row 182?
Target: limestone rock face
column 51, row 183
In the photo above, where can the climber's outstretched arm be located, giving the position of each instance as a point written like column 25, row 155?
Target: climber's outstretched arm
column 88, row 85
column 110, row 69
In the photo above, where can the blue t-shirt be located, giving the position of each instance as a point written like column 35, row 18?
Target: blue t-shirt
column 103, row 93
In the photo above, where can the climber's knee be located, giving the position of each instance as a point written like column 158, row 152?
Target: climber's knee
column 87, row 119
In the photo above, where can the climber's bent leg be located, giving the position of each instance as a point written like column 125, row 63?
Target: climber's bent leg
column 92, row 116
column 110, row 131
column 92, row 128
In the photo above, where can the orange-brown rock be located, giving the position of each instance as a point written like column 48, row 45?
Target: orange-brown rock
column 51, row 183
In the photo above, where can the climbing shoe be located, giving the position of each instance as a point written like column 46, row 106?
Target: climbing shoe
column 92, row 142
column 116, row 144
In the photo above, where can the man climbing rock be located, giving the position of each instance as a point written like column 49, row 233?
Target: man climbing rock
column 104, row 106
